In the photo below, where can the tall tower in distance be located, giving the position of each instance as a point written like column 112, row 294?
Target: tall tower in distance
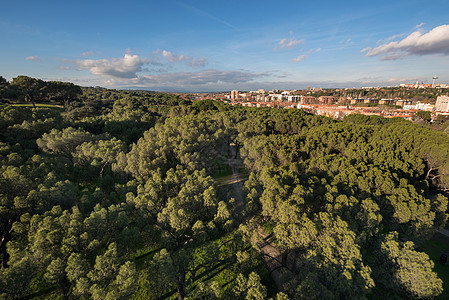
column 433, row 82
column 234, row 95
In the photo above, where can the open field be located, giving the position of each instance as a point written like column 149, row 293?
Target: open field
column 47, row 105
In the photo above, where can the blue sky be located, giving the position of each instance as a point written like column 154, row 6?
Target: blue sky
column 222, row 45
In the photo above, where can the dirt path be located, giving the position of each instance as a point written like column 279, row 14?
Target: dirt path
column 272, row 257
column 270, row 254
column 236, row 180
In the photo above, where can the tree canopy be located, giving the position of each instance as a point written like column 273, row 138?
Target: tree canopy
column 145, row 195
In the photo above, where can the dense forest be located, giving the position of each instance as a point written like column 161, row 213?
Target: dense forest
column 123, row 195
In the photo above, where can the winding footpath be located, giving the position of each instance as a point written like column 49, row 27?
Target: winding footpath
column 270, row 253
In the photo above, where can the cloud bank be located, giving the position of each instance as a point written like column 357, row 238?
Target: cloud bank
column 131, row 71
column 435, row 41
column 130, row 65
column 190, row 61
column 126, row 67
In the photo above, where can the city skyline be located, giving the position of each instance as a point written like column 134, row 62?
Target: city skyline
column 215, row 46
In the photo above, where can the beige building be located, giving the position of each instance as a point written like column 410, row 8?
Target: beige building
column 442, row 104
column 386, row 101
column 234, row 95
column 308, row 100
column 326, row 99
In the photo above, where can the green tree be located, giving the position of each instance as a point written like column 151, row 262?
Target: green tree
column 4, row 85
column 249, row 288
column 405, row 270
column 183, row 207
column 64, row 142
column 28, row 87
column 62, row 91
column 424, row 115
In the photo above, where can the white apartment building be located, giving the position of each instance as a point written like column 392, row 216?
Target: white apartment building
column 294, row 98
column 420, row 106
column 442, row 104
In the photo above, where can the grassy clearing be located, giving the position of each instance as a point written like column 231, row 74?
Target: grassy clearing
column 223, row 170
column 45, row 105
column 268, row 226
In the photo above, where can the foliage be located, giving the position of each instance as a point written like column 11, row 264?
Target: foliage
column 115, row 198
column 406, row 270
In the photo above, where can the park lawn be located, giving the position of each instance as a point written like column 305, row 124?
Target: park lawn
column 45, row 105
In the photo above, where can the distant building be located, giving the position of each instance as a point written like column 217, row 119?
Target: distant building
column 418, row 85
column 373, row 101
column 401, row 103
column 442, row 104
column 277, row 97
column 308, row 100
column 234, row 95
column 357, row 100
column 326, row 99
column 386, row 101
column 294, row 98
column 261, row 98
column 420, row 106
column 246, row 96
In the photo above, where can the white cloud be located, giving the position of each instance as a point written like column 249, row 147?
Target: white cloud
column 419, row 25
column 402, row 79
column 435, row 41
column 394, row 56
column 195, row 63
column 346, row 42
column 286, row 44
column 129, row 66
column 170, row 57
column 33, row 58
column 86, row 54
column 365, row 49
column 299, row 58
column 305, row 55
column 133, row 71
column 126, row 67
column 391, row 38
